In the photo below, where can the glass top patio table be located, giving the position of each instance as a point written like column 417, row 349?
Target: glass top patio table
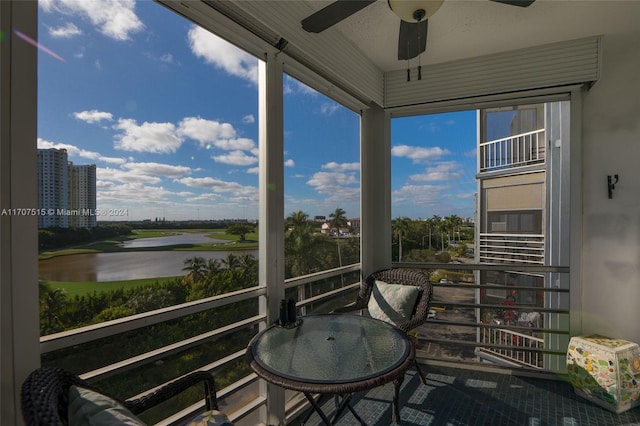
column 331, row 353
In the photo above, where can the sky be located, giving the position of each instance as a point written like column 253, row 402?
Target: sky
column 168, row 112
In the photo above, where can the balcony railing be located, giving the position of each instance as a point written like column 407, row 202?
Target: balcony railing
column 512, row 347
column 456, row 333
column 515, row 151
column 511, row 248
column 318, row 292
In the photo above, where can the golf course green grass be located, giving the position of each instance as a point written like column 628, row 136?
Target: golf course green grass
column 231, row 242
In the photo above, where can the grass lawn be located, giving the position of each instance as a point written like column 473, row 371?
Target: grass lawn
column 82, row 288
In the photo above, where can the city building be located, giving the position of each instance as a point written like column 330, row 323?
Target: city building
column 82, row 195
column 53, row 188
column 66, row 192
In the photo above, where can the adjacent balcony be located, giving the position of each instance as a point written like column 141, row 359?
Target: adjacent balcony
column 519, row 150
column 511, row 248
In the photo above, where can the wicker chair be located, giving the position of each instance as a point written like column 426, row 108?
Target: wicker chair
column 45, row 395
column 401, row 277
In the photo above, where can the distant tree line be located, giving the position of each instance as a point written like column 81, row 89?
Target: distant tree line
column 51, row 238
column 161, row 223
column 306, row 250
column 429, row 240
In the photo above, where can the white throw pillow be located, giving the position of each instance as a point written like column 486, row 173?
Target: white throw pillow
column 87, row 407
column 392, row 302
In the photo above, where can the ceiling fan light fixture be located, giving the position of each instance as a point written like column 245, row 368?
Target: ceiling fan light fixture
column 414, row 10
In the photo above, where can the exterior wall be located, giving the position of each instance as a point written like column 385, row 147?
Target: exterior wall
column 610, row 288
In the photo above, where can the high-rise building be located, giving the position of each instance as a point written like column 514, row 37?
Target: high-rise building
column 82, row 195
column 66, row 192
column 53, row 187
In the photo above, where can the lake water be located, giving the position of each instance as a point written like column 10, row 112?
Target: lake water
column 169, row 240
column 97, row 267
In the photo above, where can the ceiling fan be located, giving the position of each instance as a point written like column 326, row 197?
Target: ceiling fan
column 413, row 14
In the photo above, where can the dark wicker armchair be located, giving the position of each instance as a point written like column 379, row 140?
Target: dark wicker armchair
column 400, row 277
column 45, row 395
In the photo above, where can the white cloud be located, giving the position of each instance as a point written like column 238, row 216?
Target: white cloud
column 93, row 116
column 73, row 150
column 418, row 195
column 168, row 58
column 329, row 182
column 223, row 55
column 113, row 18
column 217, row 185
column 249, row 119
column 291, row 85
column 342, row 167
column 289, row 163
column 236, row 158
column 418, row 154
column 221, row 135
column 328, row 108
column 125, row 176
column 253, row 170
column 134, row 194
column 147, row 137
column 441, row 172
column 67, row 31
column 158, row 169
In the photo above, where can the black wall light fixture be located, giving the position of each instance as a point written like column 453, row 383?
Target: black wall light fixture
column 611, row 184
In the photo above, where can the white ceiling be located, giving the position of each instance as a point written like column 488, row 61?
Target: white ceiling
column 469, row 28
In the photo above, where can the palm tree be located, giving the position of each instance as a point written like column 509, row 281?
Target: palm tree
column 196, row 267
column 247, row 261
column 401, row 227
column 338, row 221
column 53, row 301
column 299, row 242
column 231, row 262
column 212, row 267
column 439, row 228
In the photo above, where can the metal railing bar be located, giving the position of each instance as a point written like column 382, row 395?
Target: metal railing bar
column 503, row 267
column 503, row 287
column 89, row 333
column 327, row 294
column 498, row 326
column 317, row 276
column 209, row 368
column 492, row 306
column 156, row 354
column 491, row 345
column 494, row 141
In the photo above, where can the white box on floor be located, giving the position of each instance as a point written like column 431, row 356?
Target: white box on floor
column 605, row 371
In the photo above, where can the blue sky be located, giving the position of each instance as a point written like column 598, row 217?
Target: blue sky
column 168, row 113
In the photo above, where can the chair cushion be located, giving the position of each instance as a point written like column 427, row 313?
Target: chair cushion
column 87, row 407
column 392, row 302
column 211, row 418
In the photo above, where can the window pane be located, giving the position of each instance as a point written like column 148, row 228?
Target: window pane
column 433, row 182
column 322, row 196
column 148, row 158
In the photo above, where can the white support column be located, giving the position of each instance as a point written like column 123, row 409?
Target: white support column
column 19, row 314
column 375, row 184
column 271, row 222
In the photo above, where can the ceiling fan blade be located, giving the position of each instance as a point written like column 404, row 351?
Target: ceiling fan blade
column 332, row 14
column 412, row 40
column 521, row 3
